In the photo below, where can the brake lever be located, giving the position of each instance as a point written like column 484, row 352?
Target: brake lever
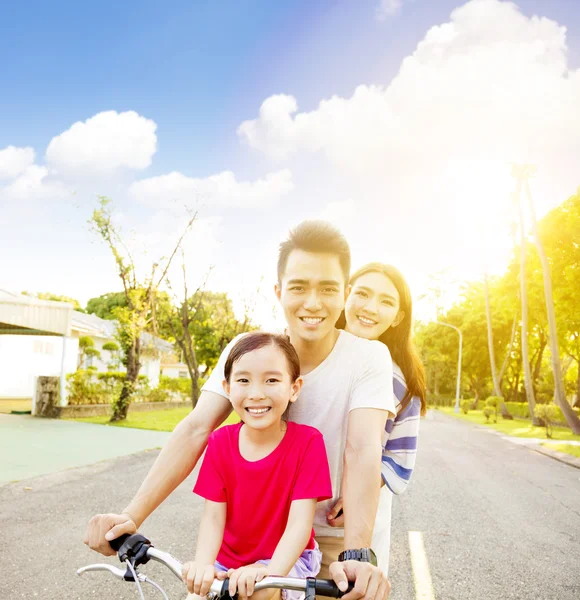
column 125, row 575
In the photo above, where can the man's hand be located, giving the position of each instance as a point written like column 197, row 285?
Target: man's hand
column 104, row 528
column 243, row 579
column 198, row 578
column 369, row 581
column 335, row 518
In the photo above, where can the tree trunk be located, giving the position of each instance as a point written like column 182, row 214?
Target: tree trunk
column 570, row 416
column 577, row 401
column 121, row 405
column 524, row 301
column 505, row 413
column 537, row 363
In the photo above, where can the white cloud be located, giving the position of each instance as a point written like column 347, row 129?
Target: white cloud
column 425, row 154
column 14, row 161
column 104, row 143
column 491, row 82
column 35, row 183
column 387, row 8
column 222, row 188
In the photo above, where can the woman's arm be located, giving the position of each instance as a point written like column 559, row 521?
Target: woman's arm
column 295, row 538
column 400, row 451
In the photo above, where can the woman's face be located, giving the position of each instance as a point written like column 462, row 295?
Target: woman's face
column 372, row 306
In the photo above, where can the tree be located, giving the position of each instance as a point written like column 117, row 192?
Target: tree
column 520, row 175
column 87, row 350
column 105, row 305
column 559, row 392
column 55, row 298
column 141, row 300
column 113, row 350
column 202, row 325
column 496, row 378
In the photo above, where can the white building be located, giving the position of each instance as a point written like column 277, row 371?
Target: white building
column 41, row 337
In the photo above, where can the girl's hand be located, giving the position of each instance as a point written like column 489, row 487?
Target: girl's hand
column 243, row 579
column 198, row 578
column 335, row 518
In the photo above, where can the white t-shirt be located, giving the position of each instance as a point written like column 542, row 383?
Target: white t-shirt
column 358, row 373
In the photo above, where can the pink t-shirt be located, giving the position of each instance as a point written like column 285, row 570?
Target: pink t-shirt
column 259, row 494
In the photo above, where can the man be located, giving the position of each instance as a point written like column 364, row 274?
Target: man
column 347, row 395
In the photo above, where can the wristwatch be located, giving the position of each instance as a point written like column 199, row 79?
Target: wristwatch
column 362, row 555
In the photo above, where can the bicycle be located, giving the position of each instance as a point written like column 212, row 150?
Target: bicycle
column 136, row 550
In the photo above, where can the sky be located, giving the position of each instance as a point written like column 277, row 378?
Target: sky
column 397, row 120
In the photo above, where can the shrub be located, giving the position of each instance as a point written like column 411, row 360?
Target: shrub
column 440, row 400
column 489, row 412
column 548, row 413
column 465, row 406
column 176, row 384
column 84, row 388
column 156, row 395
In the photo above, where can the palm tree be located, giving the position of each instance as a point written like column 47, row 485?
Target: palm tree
column 559, row 392
column 521, row 174
column 494, row 375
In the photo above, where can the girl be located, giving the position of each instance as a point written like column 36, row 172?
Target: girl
column 261, row 478
column 380, row 307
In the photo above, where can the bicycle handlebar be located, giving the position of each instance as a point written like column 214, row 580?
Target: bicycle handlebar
column 138, row 550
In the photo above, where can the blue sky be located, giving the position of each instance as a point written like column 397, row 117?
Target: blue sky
column 198, row 70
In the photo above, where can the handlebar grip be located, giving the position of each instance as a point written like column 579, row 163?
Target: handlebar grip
column 327, row 587
column 118, row 542
column 225, row 593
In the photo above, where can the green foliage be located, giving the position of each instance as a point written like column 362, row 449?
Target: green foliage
column 548, row 415
column 55, row 298
column 84, row 387
column 111, row 347
column 465, row 406
column 104, row 306
column 489, row 412
column 156, row 395
column 438, row 345
column 519, row 410
column 176, row 384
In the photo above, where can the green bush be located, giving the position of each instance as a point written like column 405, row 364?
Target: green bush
column 465, row 406
column 156, row 395
column 175, row 384
column 84, row 387
column 548, row 414
column 439, row 400
column 489, row 412
column 518, row 409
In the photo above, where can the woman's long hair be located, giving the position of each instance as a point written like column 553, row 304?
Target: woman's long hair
column 398, row 339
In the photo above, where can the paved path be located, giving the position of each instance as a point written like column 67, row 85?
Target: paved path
column 31, row 446
column 497, row 520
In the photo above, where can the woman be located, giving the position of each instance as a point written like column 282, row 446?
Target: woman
column 380, row 307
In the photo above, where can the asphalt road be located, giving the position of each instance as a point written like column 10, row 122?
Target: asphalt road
column 498, row 521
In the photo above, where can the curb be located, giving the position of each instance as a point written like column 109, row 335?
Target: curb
column 559, row 456
column 572, row 461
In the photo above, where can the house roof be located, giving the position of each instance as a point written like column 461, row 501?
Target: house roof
column 94, row 326
column 27, row 315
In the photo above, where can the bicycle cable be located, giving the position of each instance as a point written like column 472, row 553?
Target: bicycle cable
column 136, row 579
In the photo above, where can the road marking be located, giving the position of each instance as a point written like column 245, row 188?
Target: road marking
column 421, row 573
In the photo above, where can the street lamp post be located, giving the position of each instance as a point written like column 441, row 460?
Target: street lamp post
column 458, row 385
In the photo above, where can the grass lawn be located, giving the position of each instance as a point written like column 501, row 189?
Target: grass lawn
column 515, row 428
column 158, row 420
column 567, row 448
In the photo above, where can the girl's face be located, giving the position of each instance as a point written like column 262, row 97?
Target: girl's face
column 372, row 306
column 261, row 387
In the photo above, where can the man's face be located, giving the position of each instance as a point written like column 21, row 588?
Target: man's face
column 312, row 293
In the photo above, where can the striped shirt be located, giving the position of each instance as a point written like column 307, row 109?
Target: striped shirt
column 400, row 438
